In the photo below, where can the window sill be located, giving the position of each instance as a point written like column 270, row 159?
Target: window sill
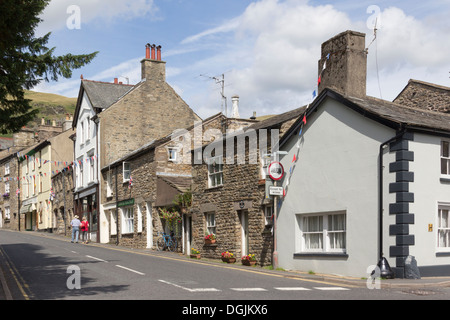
column 445, row 179
column 443, row 254
column 321, row 255
column 214, row 188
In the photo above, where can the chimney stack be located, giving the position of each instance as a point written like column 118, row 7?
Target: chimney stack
column 235, row 101
column 345, row 60
column 116, row 80
column 151, row 68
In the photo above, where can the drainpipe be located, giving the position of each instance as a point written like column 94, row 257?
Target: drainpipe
column 117, row 212
column 385, row 270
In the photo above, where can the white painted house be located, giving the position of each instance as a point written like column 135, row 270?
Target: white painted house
column 93, row 98
column 366, row 179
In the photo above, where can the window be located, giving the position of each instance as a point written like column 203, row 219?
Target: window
column 109, row 188
column 6, row 187
column 172, row 154
column 91, row 167
column 126, row 172
column 268, row 215
column 6, row 168
column 215, row 171
column 7, row 213
column 128, row 220
column 323, row 232
column 210, row 223
column 82, row 133
column 445, row 158
column 443, row 231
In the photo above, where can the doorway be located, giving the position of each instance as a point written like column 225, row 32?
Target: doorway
column 149, row 225
column 187, row 234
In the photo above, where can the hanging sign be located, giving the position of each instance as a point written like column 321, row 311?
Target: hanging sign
column 276, row 170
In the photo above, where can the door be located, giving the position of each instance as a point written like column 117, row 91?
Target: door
column 149, row 225
column 243, row 217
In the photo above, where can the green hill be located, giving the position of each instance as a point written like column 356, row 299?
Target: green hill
column 50, row 106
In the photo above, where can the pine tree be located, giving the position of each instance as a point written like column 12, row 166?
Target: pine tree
column 25, row 61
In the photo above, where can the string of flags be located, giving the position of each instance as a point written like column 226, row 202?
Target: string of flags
column 61, row 165
column 299, row 136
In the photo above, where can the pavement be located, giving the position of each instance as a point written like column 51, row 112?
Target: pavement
column 410, row 284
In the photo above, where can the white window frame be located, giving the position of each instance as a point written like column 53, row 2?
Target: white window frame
column 268, row 215
column 126, row 172
column 127, row 220
column 324, row 232
column 445, row 159
column 7, row 213
column 109, row 188
column 7, row 169
column 7, row 188
column 172, row 154
column 210, row 218
column 441, row 228
column 91, row 167
column 212, row 173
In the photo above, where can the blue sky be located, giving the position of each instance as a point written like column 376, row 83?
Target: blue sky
column 267, row 49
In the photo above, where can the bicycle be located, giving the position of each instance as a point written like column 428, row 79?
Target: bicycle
column 166, row 241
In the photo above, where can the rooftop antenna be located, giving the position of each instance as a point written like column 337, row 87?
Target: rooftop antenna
column 222, row 92
column 376, row 54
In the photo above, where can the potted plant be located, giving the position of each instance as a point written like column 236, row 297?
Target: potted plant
column 248, row 260
column 195, row 254
column 210, row 238
column 228, row 257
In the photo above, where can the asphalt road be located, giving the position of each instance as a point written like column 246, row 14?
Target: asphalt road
column 38, row 267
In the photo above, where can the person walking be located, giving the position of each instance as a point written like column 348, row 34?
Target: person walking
column 75, row 223
column 84, row 230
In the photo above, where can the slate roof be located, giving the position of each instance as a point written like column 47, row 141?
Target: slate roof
column 101, row 95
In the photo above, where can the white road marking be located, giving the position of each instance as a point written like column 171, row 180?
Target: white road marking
column 292, row 289
column 330, row 288
column 189, row 289
column 97, row 259
column 248, row 289
column 142, row 274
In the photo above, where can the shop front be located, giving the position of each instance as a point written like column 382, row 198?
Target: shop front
column 86, row 205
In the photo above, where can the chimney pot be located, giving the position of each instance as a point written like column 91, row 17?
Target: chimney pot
column 153, row 52
column 147, row 51
column 253, row 117
column 158, row 56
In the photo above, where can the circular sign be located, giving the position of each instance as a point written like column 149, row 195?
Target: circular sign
column 276, row 170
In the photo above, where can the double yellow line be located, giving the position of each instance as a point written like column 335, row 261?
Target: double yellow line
column 21, row 284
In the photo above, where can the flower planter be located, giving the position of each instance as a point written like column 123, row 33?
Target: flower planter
column 248, row 262
column 210, row 241
column 196, row 256
column 229, row 260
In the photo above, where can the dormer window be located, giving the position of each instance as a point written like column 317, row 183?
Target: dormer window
column 172, row 154
column 126, row 172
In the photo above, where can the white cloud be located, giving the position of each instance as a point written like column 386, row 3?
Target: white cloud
column 56, row 14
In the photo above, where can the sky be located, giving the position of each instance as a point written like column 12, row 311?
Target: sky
column 267, row 51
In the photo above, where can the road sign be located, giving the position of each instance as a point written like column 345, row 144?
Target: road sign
column 276, row 170
column 275, row 191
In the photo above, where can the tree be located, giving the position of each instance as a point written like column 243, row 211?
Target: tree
column 25, row 61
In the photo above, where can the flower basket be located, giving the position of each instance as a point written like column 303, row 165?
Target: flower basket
column 210, row 239
column 195, row 254
column 228, row 257
column 248, row 260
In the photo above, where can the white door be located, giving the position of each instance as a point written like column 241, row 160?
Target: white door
column 149, row 225
column 244, row 232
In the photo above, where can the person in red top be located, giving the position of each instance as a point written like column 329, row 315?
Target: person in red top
column 84, row 230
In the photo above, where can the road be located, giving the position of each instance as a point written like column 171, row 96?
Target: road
column 40, row 267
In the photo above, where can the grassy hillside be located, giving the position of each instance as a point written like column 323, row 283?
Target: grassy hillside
column 51, row 106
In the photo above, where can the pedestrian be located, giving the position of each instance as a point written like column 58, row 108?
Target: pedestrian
column 84, row 230
column 75, row 223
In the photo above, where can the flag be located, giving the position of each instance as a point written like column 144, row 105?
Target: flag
column 304, row 119
column 295, row 158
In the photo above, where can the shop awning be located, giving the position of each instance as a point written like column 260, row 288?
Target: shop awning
column 25, row 208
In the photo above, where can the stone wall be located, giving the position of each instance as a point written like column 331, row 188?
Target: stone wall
column 428, row 96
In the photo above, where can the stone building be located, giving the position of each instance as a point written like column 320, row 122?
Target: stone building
column 230, row 198
column 62, row 199
column 424, row 95
column 9, row 190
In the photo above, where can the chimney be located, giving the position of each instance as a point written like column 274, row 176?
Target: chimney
column 253, row 117
column 147, row 51
column 116, row 80
column 151, row 68
column 235, row 101
column 343, row 64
